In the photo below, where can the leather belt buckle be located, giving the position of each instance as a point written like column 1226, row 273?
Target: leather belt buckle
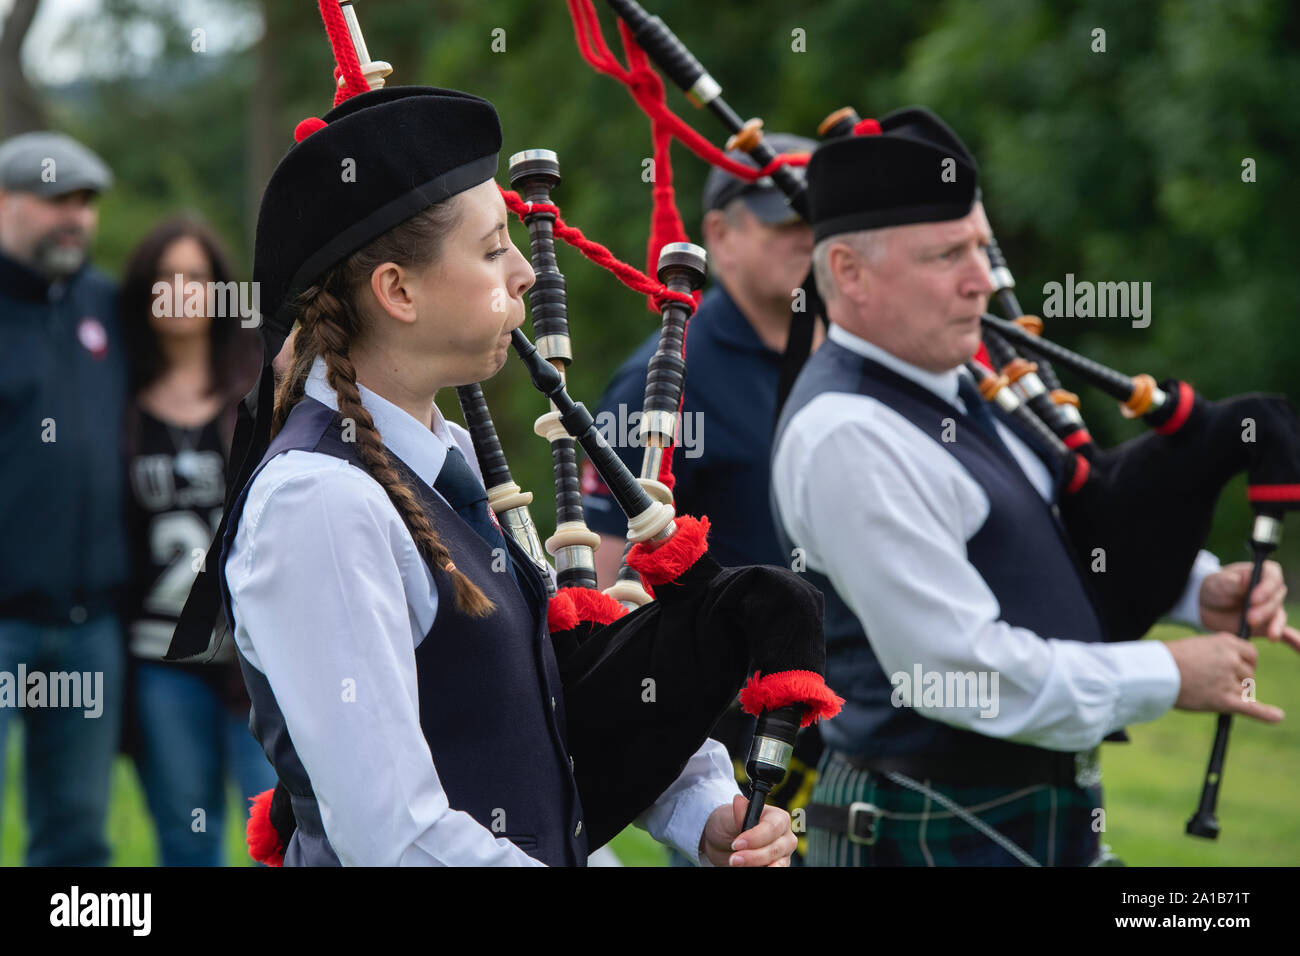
column 866, row 815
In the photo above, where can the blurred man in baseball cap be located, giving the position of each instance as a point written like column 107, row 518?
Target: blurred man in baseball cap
column 63, row 556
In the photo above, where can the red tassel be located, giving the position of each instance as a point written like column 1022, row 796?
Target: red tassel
column 572, row 607
column 263, row 841
column 561, row 615
column 595, row 606
column 671, row 559
column 866, row 127
column 791, row 687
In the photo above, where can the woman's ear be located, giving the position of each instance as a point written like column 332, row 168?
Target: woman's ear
column 392, row 287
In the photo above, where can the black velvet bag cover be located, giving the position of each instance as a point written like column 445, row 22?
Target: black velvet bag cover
column 1150, row 502
column 643, row 693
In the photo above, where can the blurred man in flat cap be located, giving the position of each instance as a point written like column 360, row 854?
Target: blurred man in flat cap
column 759, row 254
column 959, row 627
column 63, row 555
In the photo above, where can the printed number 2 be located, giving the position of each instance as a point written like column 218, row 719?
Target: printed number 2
column 173, row 538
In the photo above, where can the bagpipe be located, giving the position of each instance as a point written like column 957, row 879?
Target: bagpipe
column 643, row 688
column 1145, row 506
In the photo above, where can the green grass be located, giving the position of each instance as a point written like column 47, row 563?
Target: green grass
column 130, row 828
column 1152, row 786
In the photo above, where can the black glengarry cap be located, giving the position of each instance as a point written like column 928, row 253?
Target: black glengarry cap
column 908, row 168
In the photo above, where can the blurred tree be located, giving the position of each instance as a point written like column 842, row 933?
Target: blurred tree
column 1114, row 163
column 1127, row 165
column 21, row 109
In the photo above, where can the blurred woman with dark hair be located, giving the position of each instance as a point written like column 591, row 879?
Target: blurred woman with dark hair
column 191, row 359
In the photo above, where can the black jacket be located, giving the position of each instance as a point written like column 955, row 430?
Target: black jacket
column 62, row 395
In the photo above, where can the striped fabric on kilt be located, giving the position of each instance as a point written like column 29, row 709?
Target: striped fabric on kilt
column 1056, row 826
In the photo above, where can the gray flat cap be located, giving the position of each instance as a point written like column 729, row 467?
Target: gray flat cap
column 49, row 165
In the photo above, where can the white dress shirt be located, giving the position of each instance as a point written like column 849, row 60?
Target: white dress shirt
column 885, row 513
column 331, row 597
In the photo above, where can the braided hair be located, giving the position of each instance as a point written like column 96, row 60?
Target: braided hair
column 328, row 323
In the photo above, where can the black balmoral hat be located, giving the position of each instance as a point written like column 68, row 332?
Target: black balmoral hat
column 374, row 161
column 370, row 164
column 891, row 173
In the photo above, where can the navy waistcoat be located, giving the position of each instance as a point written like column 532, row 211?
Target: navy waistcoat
column 491, row 705
column 1021, row 552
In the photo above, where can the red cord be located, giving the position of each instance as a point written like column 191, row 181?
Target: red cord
column 643, row 83
column 345, row 55
column 647, row 90
column 630, row 276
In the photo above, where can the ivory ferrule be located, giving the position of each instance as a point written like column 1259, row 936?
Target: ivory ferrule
column 656, row 489
column 705, row 90
column 629, row 594
column 1266, row 531
column 1029, row 386
column 504, row 497
column 1006, row 399
column 550, row 427
column 650, row 523
column 572, row 534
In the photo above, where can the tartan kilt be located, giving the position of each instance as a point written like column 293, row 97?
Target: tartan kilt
column 1054, row 825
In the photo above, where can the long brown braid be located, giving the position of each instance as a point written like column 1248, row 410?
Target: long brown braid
column 328, row 324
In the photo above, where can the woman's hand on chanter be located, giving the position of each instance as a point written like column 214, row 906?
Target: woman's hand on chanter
column 769, row 843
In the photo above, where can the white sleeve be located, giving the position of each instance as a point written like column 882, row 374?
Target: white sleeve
column 677, row 818
column 318, row 596
column 888, row 522
column 1188, row 609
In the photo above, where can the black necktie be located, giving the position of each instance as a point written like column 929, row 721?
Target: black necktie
column 977, row 411
column 468, row 498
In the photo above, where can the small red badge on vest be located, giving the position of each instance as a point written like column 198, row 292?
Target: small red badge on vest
column 93, row 336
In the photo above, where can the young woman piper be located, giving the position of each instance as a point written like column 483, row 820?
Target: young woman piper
column 402, row 676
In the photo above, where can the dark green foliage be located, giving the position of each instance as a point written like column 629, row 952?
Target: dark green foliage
column 1117, row 166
